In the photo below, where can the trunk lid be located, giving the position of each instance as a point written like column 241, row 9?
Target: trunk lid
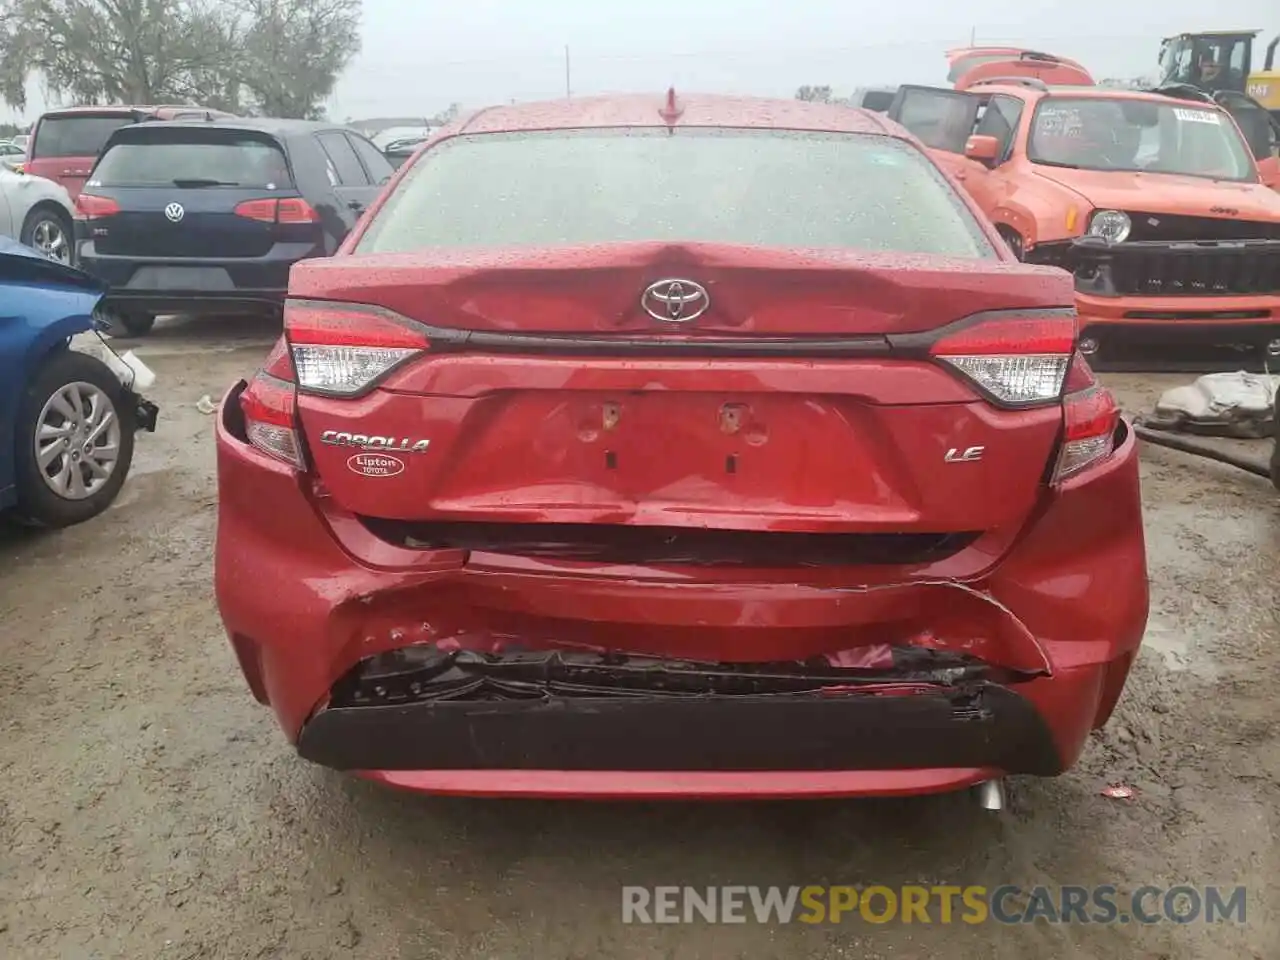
column 752, row 291
column 565, row 402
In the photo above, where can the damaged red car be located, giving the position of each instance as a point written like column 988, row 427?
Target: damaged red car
column 679, row 447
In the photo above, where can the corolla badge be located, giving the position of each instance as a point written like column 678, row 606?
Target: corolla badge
column 174, row 212
column 675, row 301
column 374, row 442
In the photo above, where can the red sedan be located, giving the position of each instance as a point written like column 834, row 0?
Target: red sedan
column 702, row 447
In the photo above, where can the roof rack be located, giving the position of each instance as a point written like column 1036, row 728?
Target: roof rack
column 1035, row 83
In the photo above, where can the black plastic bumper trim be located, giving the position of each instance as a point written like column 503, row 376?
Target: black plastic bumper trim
column 981, row 725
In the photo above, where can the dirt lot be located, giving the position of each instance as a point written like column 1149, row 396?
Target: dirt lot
column 149, row 808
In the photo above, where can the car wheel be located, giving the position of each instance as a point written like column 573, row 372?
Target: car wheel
column 48, row 231
column 74, row 441
column 132, row 323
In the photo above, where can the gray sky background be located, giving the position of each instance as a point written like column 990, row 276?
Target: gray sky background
column 419, row 57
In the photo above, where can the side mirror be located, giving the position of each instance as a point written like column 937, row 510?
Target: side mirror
column 983, row 148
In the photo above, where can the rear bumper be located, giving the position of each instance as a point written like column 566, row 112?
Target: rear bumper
column 679, row 785
column 194, row 285
column 307, row 594
column 985, row 726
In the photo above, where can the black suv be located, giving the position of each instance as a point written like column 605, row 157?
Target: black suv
column 208, row 216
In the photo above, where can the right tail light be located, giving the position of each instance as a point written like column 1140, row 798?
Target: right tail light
column 1017, row 361
column 278, row 210
column 1090, row 417
column 1033, row 362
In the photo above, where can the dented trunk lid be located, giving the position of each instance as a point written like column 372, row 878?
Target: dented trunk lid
column 556, row 397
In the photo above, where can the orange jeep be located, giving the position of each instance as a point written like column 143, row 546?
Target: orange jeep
column 1155, row 203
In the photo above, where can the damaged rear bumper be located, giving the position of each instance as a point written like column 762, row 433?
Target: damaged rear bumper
column 321, row 611
column 420, row 710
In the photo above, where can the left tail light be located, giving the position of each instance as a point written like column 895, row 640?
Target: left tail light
column 345, row 351
column 89, row 207
column 1090, row 416
column 270, row 411
column 327, row 350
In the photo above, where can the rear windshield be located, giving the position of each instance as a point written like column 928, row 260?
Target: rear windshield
column 193, row 159
column 76, row 136
column 755, row 187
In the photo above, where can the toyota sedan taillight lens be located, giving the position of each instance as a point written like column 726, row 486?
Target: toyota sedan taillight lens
column 1015, row 360
column 346, row 351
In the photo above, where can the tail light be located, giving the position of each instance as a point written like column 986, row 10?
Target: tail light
column 270, row 409
column 1090, row 417
column 326, row 349
column 345, row 351
column 89, row 207
column 1018, row 361
column 278, row 210
column 1033, row 361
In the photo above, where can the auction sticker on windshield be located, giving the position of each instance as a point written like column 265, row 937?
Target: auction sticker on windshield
column 1197, row 116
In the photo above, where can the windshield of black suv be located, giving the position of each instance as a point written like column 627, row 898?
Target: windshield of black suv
column 213, row 158
column 1129, row 134
column 775, row 188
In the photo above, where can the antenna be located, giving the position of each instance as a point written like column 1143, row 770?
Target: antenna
column 671, row 110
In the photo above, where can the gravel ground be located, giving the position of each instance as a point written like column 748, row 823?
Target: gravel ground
column 149, row 808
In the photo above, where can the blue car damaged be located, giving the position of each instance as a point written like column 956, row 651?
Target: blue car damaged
column 67, row 418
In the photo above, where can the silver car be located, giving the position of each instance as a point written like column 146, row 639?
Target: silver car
column 12, row 155
column 36, row 212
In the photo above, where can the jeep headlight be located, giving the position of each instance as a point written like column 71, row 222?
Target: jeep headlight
column 1111, row 225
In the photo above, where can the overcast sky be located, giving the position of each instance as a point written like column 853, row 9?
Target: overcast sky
column 419, row 57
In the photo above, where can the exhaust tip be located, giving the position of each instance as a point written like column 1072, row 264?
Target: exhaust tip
column 1273, row 348
column 1088, row 346
column 990, row 795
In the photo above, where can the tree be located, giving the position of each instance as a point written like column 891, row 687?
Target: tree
column 278, row 57
column 108, row 51
column 815, row 94
column 293, row 52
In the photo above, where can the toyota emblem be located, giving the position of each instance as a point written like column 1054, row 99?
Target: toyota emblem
column 675, row 301
column 174, row 212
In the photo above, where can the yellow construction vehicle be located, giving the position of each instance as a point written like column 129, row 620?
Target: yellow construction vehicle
column 1222, row 61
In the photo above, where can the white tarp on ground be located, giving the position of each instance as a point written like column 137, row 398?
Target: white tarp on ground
column 1225, row 404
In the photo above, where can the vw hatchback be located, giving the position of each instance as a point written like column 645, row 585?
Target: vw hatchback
column 209, row 217
column 645, row 447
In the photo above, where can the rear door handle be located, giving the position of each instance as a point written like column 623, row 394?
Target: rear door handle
column 355, row 205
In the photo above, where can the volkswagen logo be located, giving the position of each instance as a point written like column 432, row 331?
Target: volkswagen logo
column 675, row 301
column 174, row 212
